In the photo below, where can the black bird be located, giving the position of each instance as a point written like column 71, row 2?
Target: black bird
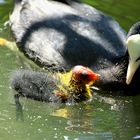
column 58, row 35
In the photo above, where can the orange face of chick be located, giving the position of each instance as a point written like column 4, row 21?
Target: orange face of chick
column 84, row 75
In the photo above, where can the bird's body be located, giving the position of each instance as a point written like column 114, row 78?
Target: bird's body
column 58, row 36
column 54, row 87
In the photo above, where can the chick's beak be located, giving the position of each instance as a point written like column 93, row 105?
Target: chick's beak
column 95, row 76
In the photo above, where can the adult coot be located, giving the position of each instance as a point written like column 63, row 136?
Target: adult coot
column 59, row 36
column 73, row 86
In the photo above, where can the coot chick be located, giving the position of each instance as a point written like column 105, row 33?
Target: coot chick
column 59, row 36
column 73, row 86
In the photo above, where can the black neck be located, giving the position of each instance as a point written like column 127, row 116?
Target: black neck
column 114, row 77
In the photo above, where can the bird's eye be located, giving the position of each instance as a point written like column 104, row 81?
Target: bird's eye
column 84, row 75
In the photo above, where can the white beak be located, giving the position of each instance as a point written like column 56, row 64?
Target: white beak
column 132, row 67
column 133, row 45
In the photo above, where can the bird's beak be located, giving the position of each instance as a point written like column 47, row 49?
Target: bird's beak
column 133, row 45
column 96, row 76
column 132, row 67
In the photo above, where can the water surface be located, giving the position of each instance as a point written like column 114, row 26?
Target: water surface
column 105, row 118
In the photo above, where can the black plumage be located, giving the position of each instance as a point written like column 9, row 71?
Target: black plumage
column 35, row 85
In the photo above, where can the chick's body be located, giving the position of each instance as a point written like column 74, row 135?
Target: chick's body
column 54, row 87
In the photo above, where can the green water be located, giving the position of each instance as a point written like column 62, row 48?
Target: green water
column 105, row 118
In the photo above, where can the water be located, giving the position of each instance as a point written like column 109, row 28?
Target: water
column 105, row 118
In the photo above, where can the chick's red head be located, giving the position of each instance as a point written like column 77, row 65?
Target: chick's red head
column 84, row 75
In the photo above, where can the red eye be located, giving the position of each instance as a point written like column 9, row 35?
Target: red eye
column 84, row 75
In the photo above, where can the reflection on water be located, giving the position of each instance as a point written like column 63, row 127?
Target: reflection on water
column 105, row 118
